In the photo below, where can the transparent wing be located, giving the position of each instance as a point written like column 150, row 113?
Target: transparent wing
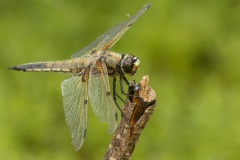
column 74, row 93
column 109, row 38
column 101, row 100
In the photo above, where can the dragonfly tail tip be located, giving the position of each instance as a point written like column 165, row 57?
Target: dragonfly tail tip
column 17, row 68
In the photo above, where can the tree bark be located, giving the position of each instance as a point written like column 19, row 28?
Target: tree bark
column 137, row 109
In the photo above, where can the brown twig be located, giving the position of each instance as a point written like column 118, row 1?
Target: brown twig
column 137, row 110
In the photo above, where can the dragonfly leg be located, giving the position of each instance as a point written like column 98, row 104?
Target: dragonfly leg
column 125, row 79
column 121, row 85
column 115, row 92
column 133, row 84
column 115, row 95
column 120, row 98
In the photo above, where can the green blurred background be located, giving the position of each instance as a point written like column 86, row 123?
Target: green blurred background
column 189, row 49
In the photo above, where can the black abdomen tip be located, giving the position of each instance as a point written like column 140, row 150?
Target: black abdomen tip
column 17, row 68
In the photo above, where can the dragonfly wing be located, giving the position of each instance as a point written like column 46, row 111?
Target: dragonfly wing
column 109, row 38
column 101, row 100
column 75, row 95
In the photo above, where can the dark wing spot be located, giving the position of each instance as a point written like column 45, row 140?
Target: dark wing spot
column 116, row 116
column 108, row 93
column 85, row 101
column 85, row 133
column 93, row 52
column 130, row 25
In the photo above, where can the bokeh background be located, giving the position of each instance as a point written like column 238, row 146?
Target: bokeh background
column 189, row 49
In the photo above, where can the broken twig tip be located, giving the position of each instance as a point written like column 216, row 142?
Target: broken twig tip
column 138, row 107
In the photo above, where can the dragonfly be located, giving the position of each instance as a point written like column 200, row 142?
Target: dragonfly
column 90, row 68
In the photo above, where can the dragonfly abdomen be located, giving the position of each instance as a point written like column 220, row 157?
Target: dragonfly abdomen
column 51, row 66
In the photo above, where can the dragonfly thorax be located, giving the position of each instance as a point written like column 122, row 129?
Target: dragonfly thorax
column 130, row 64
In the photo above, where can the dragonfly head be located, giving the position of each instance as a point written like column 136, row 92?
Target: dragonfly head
column 130, row 64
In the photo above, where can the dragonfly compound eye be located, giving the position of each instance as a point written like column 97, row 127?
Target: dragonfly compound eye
column 130, row 64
